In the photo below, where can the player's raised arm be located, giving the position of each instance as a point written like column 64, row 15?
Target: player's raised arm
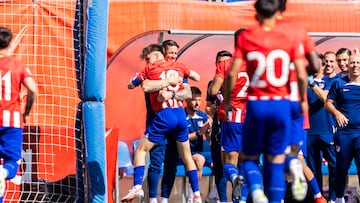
column 215, row 86
column 221, row 68
column 321, row 93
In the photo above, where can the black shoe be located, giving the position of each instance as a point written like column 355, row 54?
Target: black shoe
column 238, row 183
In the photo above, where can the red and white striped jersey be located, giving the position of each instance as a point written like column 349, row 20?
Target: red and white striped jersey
column 161, row 70
column 268, row 61
column 238, row 96
column 12, row 75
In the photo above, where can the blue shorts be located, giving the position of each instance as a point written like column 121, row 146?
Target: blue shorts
column 11, row 143
column 297, row 132
column 267, row 127
column 303, row 148
column 166, row 121
column 231, row 136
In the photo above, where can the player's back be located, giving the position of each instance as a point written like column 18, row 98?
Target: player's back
column 162, row 70
column 12, row 73
column 238, row 96
column 239, row 92
column 268, row 53
column 297, row 32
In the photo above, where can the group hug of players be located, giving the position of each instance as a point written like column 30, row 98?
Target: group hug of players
column 265, row 88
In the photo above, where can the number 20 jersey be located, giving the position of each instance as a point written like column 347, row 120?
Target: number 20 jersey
column 161, row 70
column 268, row 53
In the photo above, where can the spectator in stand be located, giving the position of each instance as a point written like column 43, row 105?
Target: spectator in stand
column 343, row 103
column 320, row 142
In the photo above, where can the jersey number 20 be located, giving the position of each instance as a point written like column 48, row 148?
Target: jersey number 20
column 266, row 64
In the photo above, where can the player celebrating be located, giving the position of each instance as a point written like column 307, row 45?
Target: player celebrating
column 170, row 118
column 232, row 126
column 13, row 74
column 268, row 52
column 157, row 152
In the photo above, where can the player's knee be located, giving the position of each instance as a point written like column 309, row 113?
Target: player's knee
column 199, row 160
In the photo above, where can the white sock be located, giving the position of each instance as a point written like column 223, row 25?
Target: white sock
column 137, row 186
column 317, row 195
column 153, row 200
column 197, row 193
column 213, row 192
column 257, row 193
column 164, row 200
column 189, row 192
column 340, row 200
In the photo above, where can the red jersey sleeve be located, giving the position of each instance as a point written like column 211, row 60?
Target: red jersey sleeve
column 186, row 71
column 143, row 75
column 297, row 51
column 25, row 72
column 308, row 43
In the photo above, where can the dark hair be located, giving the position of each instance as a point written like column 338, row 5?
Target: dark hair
column 266, row 8
column 322, row 58
column 236, row 35
column 195, row 90
column 169, row 42
column 5, row 37
column 221, row 54
column 282, row 5
column 150, row 48
column 343, row 51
